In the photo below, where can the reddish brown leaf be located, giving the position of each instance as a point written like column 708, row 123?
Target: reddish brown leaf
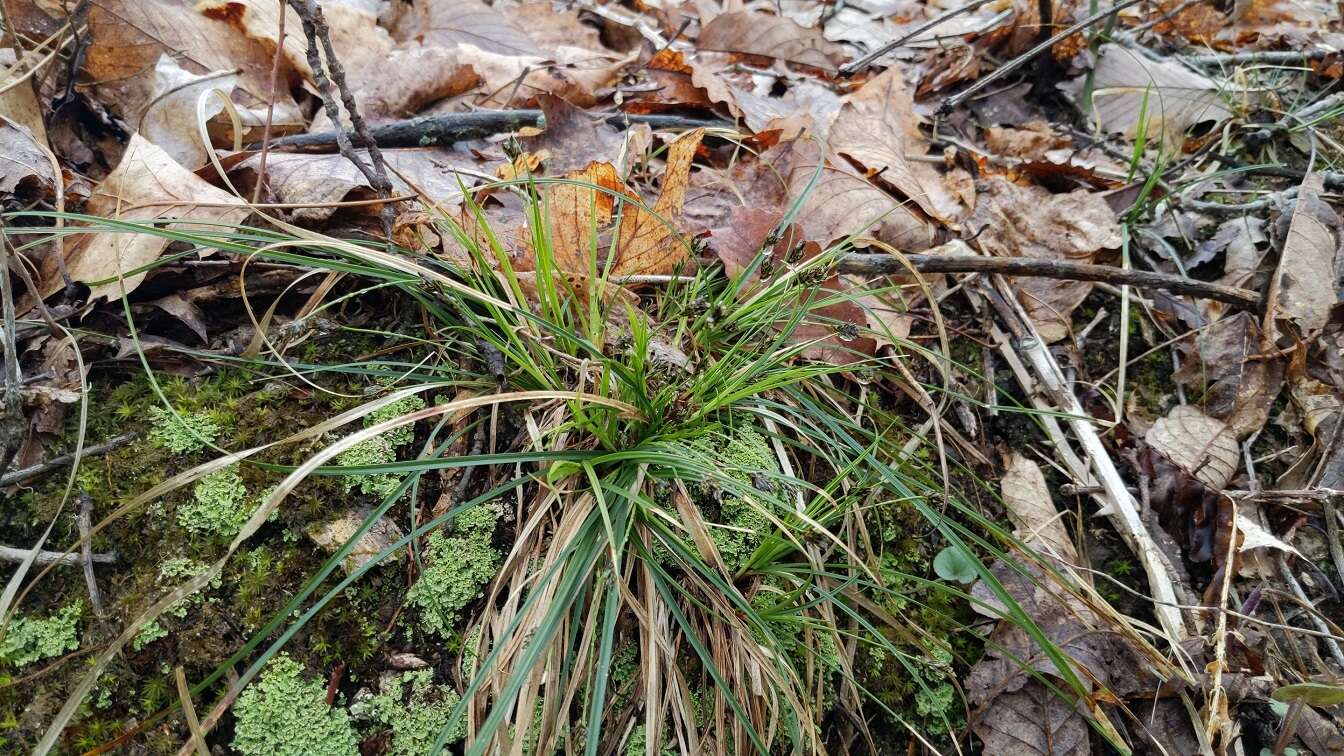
column 770, row 37
column 649, row 242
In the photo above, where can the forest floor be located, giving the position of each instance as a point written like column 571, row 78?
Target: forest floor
column 868, row 376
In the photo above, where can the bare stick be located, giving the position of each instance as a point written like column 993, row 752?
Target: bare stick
column 318, row 34
column 19, row 476
column 876, row 264
column 270, row 105
column 849, row 69
column 1019, row 61
column 85, row 521
column 11, row 554
column 12, row 424
column 1119, row 502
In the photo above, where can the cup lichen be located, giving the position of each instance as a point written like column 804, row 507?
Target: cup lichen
column 414, row 709
column 381, row 449
column 216, row 506
column 458, row 567
column 285, row 714
column 29, row 640
column 182, row 434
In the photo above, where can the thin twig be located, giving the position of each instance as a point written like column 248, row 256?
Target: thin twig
column 11, row 554
column 319, row 35
column 19, row 476
column 270, row 105
column 849, row 69
column 1276, row 57
column 950, row 103
column 85, row 521
column 873, row 264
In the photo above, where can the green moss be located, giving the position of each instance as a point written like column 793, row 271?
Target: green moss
column 28, row 640
column 217, row 504
column 415, row 709
column 380, row 450
column 639, row 743
column 458, row 566
column 190, row 432
column 285, row 714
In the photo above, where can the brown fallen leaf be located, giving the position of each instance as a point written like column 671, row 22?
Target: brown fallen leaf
column 1033, row 720
column 146, row 185
column 1128, row 88
column 841, row 203
column 1304, row 286
column 877, row 127
column 24, row 167
column 1027, row 499
column 127, row 38
column 514, row 80
column 575, row 213
column 1028, row 221
column 467, row 22
column 573, row 137
column 1201, row 446
column 401, row 82
column 649, row 243
column 318, row 180
column 769, row 36
column 1237, row 389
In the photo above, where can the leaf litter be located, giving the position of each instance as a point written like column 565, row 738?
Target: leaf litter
column 1189, row 141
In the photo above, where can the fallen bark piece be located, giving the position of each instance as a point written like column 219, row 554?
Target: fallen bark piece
column 333, row 535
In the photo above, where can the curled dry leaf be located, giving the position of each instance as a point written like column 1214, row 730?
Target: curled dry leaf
column 1028, row 221
column 24, row 167
column 127, row 38
column 1202, row 446
column 770, row 37
column 878, row 127
column 1030, row 507
column 1129, row 90
column 1307, row 282
column 319, row 180
column 146, row 185
column 576, row 211
column 169, row 119
column 650, row 242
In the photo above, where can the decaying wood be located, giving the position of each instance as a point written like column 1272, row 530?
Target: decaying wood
column 27, row 473
column 434, row 130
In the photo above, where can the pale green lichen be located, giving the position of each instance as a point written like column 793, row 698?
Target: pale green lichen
column 415, row 709
column 458, row 567
column 217, row 504
column 381, row 449
column 743, row 456
column 285, row 714
column 171, row 572
column 184, row 434
column 28, row 640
